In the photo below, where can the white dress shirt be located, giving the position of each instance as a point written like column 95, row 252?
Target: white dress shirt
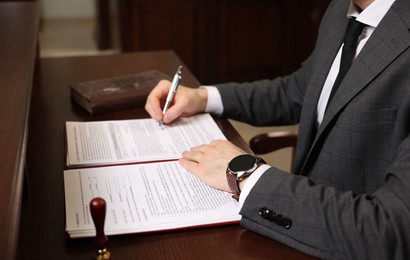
column 371, row 17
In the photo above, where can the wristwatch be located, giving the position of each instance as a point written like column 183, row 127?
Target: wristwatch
column 239, row 168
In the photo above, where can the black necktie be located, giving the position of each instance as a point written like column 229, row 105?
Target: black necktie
column 350, row 40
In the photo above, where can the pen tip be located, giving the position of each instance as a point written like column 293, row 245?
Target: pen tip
column 161, row 123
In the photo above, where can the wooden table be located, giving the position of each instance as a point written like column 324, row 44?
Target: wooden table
column 18, row 44
column 42, row 218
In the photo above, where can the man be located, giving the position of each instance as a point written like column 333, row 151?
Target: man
column 349, row 197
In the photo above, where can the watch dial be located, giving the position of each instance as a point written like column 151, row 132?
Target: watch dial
column 242, row 162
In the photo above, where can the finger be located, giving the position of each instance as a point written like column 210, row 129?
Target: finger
column 156, row 99
column 218, row 182
column 153, row 107
column 171, row 115
column 195, row 155
column 177, row 109
column 189, row 165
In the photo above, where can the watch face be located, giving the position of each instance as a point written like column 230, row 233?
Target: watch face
column 242, row 163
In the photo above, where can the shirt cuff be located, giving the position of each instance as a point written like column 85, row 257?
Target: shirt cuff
column 214, row 104
column 251, row 181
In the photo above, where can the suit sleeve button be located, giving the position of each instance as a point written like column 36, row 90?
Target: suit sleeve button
column 264, row 212
column 286, row 223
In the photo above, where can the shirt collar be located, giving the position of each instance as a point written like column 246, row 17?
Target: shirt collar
column 373, row 14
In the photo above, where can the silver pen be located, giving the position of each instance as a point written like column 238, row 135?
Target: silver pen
column 171, row 92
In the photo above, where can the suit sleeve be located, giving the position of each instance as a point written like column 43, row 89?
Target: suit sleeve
column 332, row 224
column 265, row 102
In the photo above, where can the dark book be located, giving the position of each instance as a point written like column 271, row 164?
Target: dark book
column 115, row 93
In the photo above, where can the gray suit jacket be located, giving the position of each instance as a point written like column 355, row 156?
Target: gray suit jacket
column 350, row 195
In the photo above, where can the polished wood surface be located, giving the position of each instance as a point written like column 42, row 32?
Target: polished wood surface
column 42, row 219
column 18, row 45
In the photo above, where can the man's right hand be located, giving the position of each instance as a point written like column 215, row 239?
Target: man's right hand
column 186, row 102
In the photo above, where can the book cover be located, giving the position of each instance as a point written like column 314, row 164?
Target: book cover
column 115, row 93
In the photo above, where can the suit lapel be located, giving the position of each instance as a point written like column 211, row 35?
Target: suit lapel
column 324, row 53
column 388, row 41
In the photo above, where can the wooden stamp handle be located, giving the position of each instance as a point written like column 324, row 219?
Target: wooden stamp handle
column 98, row 209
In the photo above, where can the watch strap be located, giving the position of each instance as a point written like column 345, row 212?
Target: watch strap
column 233, row 183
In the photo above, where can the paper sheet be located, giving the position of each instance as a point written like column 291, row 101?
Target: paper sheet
column 142, row 198
column 132, row 141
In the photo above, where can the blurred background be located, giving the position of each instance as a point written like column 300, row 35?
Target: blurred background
column 68, row 28
column 219, row 40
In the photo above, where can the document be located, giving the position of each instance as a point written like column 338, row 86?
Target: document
column 136, row 141
column 133, row 165
column 144, row 198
